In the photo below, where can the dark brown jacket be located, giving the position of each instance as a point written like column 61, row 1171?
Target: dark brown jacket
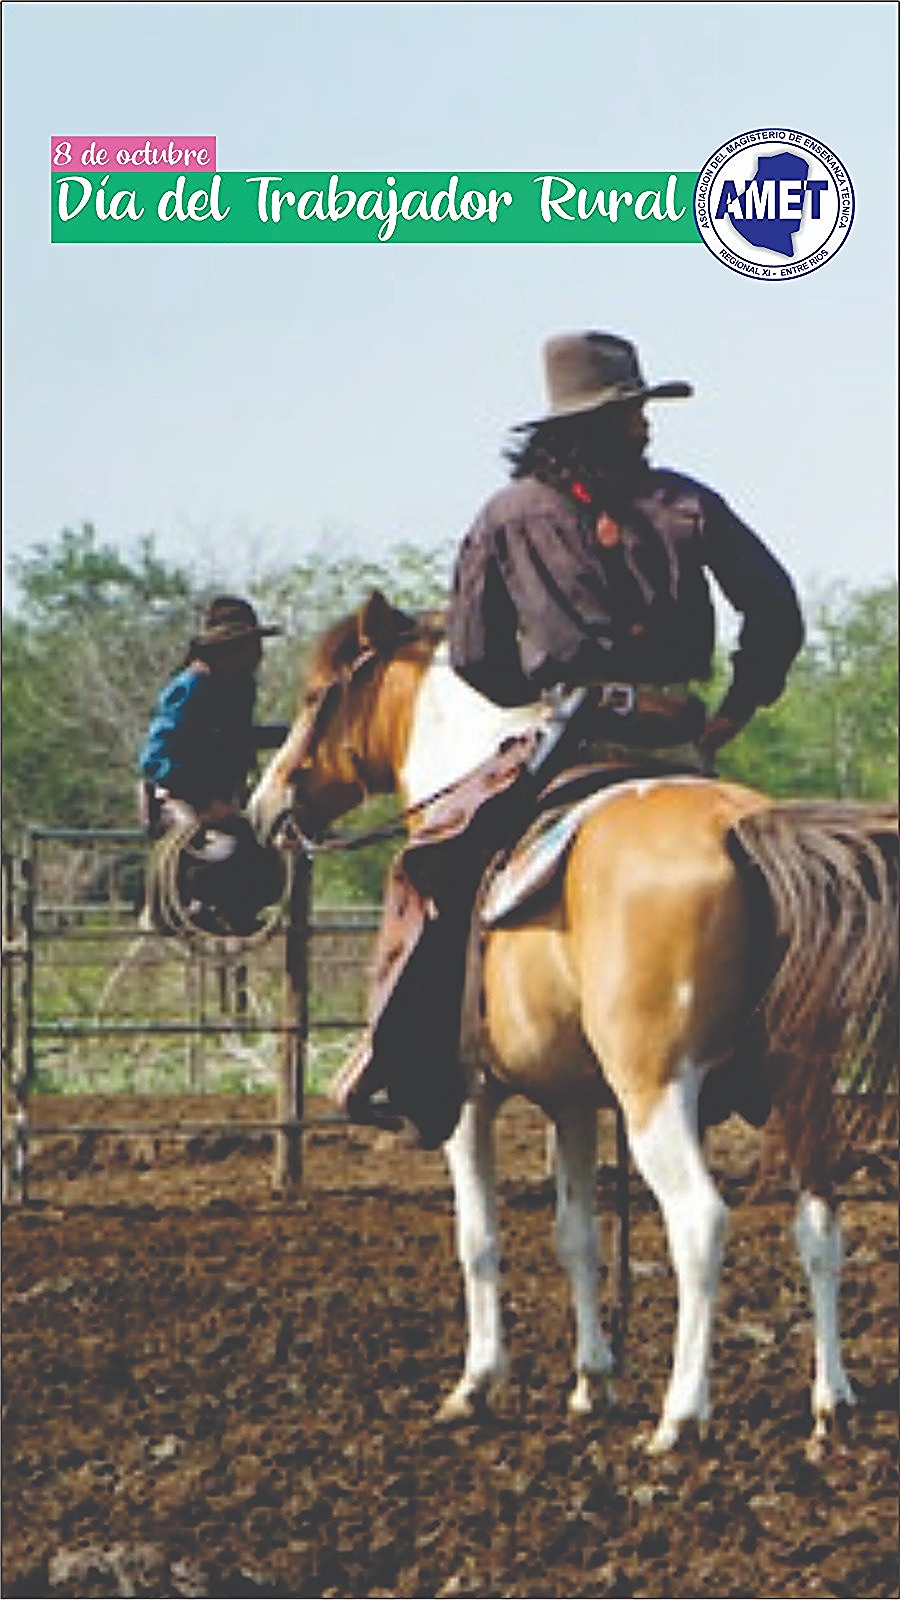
column 537, row 600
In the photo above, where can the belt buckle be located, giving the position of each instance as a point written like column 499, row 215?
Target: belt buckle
column 619, row 698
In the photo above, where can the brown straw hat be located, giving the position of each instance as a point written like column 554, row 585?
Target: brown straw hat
column 228, row 620
column 588, row 370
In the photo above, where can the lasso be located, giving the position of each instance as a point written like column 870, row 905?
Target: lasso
column 170, row 914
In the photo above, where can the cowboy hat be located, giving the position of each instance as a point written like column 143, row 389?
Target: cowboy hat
column 228, row 620
column 588, row 370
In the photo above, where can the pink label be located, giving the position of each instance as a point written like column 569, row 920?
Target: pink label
column 142, row 154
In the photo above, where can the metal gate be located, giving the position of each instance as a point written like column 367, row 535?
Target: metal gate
column 215, row 1000
column 31, row 924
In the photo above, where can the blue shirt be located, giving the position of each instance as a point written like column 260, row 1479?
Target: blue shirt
column 199, row 744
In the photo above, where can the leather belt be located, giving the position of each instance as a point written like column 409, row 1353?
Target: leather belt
column 649, row 712
column 625, row 698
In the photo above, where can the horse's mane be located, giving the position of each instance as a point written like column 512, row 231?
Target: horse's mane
column 340, row 644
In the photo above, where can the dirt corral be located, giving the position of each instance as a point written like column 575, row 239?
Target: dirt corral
column 212, row 1392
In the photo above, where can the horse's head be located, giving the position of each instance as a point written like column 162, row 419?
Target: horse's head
column 348, row 738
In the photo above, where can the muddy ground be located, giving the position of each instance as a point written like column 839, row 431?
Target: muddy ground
column 213, row 1391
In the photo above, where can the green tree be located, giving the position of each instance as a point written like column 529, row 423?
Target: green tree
column 77, row 579
column 82, row 659
column 306, row 597
column 834, row 730
column 98, row 632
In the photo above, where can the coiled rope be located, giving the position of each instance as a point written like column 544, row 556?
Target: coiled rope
column 170, row 914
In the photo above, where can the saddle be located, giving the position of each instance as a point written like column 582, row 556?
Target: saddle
column 415, row 1061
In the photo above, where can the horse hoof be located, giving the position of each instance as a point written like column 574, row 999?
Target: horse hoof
column 462, row 1405
column 815, row 1449
column 661, row 1441
column 592, row 1393
column 669, row 1435
column 830, row 1436
column 452, row 1412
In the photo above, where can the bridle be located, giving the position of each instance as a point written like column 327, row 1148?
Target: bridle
column 308, row 834
column 298, row 822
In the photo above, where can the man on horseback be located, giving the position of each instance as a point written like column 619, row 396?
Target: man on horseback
column 589, row 569
column 583, row 583
column 665, row 943
column 199, row 748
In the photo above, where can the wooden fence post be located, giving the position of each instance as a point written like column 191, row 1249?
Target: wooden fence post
column 295, row 1018
column 11, row 951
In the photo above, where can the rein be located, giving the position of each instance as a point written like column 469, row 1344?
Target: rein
column 334, row 842
column 387, row 830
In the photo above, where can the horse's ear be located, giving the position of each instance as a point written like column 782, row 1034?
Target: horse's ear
column 381, row 625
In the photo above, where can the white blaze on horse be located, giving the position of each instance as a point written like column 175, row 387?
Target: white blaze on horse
column 637, row 984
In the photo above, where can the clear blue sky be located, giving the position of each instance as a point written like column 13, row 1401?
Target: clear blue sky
column 250, row 404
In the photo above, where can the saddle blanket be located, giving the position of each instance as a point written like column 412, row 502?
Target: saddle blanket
column 539, row 855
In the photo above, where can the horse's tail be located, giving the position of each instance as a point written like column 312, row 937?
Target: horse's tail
column 825, row 876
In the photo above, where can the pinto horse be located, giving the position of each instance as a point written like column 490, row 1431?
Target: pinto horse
column 638, row 984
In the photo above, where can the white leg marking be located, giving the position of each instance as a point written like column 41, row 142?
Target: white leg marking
column 470, row 1157
column 668, row 1154
column 818, row 1235
column 576, row 1247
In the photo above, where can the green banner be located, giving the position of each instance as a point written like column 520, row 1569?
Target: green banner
column 372, row 208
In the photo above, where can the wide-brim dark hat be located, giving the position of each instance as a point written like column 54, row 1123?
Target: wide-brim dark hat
column 228, row 620
column 587, row 370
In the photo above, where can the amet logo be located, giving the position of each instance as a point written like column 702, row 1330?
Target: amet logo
column 782, row 200
column 773, row 204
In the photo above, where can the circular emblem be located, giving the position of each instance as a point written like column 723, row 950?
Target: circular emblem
column 774, row 204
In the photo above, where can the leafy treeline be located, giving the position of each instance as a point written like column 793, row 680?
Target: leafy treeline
column 96, row 633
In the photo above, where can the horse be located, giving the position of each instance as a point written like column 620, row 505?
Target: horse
column 638, row 984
